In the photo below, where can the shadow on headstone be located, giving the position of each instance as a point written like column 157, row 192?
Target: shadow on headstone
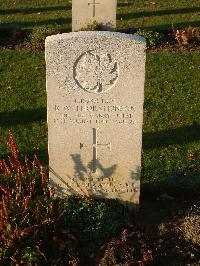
column 83, row 183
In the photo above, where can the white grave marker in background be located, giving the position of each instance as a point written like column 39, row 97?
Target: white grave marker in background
column 85, row 12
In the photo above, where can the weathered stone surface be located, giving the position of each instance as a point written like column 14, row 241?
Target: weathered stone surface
column 95, row 87
column 85, row 12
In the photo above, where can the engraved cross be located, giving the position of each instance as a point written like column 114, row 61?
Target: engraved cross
column 94, row 7
column 95, row 147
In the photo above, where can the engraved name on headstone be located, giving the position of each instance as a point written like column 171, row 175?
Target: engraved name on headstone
column 85, row 12
column 95, row 93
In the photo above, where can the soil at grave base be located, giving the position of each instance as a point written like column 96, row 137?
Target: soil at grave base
column 18, row 42
column 155, row 240
column 175, row 48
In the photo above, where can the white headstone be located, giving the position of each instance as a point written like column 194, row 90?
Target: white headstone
column 95, row 87
column 85, row 12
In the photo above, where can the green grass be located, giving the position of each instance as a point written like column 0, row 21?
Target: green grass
column 26, row 14
column 158, row 14
column 171, row 120
column 23, row 99
column 172, row 127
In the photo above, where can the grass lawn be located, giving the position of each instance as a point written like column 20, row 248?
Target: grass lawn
column 170, row 162
column 147, row 14
column 23, row 99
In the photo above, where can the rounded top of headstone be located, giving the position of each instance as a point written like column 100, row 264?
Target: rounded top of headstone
column 97, row 34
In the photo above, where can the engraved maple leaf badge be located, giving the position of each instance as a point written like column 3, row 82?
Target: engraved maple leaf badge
column 95, row 72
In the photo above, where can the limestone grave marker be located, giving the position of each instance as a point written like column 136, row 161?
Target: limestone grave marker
column 85, row 12
column 95, row 93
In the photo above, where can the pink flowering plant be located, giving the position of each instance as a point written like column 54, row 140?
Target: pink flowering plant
column 26, row 207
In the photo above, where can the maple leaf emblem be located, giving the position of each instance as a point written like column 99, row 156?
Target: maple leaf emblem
column 95, row 72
